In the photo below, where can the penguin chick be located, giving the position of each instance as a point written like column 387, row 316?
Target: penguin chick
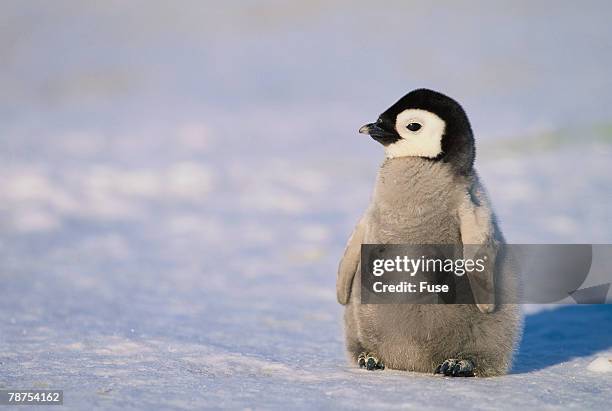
column 427, row 192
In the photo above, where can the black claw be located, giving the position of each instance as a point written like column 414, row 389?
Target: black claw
column 361, row 360
column 371, row 364
column 456, row 368
column 369, row 361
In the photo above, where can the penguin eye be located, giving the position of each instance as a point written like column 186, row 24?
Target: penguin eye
column 413, row 126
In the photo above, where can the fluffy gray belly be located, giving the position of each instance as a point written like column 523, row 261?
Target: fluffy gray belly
column 407, row 332
column 437, row 227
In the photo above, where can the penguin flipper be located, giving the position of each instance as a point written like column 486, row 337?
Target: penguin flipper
column 349, row 263
column 478, row 235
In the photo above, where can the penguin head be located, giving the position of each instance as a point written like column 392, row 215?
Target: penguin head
column 427, row 124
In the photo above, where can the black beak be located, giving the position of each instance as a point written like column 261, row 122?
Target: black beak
column 379, row 134
column 366, row 129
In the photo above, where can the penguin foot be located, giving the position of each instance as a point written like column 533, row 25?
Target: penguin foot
column 370, row 361
column 456, row 368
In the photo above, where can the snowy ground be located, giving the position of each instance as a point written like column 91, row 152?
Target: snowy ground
column 177, row 185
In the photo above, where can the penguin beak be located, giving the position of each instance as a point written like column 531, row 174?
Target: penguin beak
column 366, row 129
column 378, row 133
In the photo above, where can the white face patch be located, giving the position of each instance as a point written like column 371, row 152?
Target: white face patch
column 424, row 142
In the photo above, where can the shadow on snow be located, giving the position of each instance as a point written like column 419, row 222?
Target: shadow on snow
column 557, row 336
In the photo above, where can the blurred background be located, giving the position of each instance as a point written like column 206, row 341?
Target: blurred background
column 178, row 179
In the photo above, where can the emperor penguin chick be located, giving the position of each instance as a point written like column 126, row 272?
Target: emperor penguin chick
column 427, row 192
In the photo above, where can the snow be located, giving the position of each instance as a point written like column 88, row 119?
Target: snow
column 601, row 364
column 178, row 184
